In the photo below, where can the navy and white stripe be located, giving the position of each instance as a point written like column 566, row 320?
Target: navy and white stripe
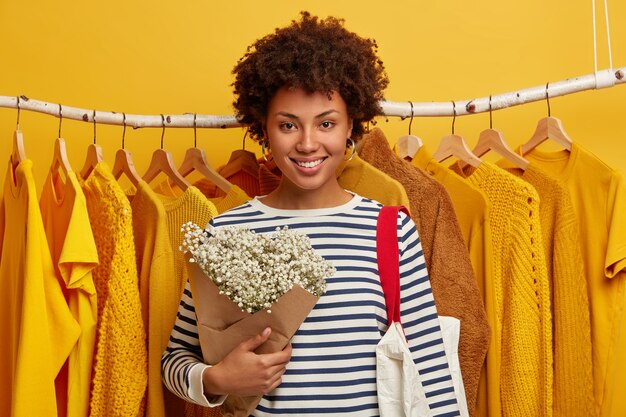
column 333, row 366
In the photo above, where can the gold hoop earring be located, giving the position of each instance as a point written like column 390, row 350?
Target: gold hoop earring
column 266, row 156
column 353, row 145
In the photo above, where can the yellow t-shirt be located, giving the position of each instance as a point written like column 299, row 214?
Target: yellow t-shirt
column 519, row 367
column 74, row 255
column 37, row 328
column 599, row 196
column 120, row 364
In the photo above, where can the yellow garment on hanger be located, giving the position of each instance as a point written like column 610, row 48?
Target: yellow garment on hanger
column 37, row 328
column 120, row 365
column 573, row 374
column 362, row 178
column 599, row 196
column 519, row 368
column 74, row 255
column 155, row 263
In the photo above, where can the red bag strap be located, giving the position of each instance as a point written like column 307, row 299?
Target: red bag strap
column 388, row 257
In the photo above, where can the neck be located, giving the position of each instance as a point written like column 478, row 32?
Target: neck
column 287, row 197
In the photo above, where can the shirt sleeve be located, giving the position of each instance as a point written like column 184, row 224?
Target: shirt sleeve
column 421, row 323
column 181, row 364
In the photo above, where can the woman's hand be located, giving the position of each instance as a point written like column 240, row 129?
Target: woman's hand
column 243, row 372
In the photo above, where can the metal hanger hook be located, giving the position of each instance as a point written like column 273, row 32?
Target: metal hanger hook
column 123, row 131
column 163, row 131
column 412, row 114
column 243, row 141
column 17, row 126
column 548, row 97
column 94, row 127
column 195, row 133
column 60, row 118
column 453, row 115
column 490, row 114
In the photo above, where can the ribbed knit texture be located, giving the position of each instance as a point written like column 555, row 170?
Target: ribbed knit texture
column 235, row 197
column 155, row 265
column 522, row 294
column 120, row 366
column 573, row 373
column 449, row 267
column 190, row 206
column 242, row 169
column 362, row 178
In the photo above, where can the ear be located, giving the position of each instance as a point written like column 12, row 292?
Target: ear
column 351, row 124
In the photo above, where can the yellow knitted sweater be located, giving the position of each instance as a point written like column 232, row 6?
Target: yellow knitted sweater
column 573, row 372
column 523, row 331
column 120, row 366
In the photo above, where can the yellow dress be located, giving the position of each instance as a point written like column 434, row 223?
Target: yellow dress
column 37, row 328
column 74, row 255
column 120, row 364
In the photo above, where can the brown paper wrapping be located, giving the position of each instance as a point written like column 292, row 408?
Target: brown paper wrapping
column 222, row 326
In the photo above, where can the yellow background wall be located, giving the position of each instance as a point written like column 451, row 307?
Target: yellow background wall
column 151, row 57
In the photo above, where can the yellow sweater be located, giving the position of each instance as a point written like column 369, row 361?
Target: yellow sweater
column 523, row 331
column 120, row 366
column 37, row 328
column 155, row 265
column 573, row 374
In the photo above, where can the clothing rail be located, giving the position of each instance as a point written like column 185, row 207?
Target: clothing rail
column 601, row 79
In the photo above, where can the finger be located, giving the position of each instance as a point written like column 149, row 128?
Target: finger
column 256, row 341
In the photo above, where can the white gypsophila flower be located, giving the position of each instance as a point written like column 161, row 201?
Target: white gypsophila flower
column 254, row 270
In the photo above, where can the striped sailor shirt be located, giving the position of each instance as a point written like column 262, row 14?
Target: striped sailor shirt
column 333, row 364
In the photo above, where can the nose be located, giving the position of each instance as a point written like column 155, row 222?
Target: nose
column 308, row 142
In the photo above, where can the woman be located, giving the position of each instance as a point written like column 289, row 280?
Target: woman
column 306, row 92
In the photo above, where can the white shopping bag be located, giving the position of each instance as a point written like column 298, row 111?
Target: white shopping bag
column 400, row 393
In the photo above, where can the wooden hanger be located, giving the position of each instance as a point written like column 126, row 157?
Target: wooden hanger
column 162, row 162
column 94, row 154
column 491, row 139
column 547, row 128
column 241, row 160
column 60, row 162
column 124, row 165
column 18, row 154
column 454, row 145
column 408, row 145
column 124, row 162
column 195, row 160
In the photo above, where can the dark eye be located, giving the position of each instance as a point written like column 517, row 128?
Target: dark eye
column 327, row 124
column 287, row 126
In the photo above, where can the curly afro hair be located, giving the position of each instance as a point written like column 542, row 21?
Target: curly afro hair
column 317, row 56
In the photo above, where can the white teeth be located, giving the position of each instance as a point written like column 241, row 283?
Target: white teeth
column 309, row 164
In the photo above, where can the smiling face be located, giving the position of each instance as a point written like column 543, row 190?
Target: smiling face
column 307, row 135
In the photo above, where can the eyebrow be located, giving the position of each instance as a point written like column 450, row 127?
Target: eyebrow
column 293, row 116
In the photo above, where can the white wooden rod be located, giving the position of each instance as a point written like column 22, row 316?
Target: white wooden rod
column 603, row 79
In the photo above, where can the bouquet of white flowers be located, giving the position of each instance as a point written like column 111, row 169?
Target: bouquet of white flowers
column 243, row 282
